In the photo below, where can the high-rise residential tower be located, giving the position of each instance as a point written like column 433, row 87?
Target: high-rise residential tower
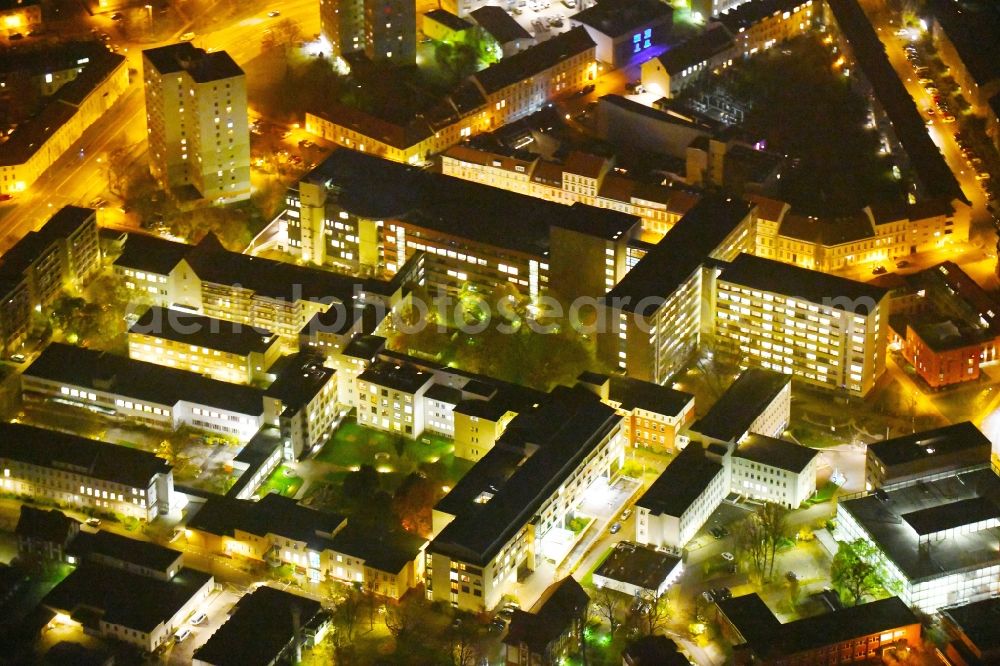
column 196, row 117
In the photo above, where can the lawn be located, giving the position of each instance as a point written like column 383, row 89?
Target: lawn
column 282, row 482
column 353, row 445
column 824, row 494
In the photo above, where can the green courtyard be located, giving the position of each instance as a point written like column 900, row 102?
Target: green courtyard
column 354, row 445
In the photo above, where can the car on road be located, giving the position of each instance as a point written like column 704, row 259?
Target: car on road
column 948, row 118
column 982, row 175
column 930, row 111
column 182, row 635
column 93, row 522
column 902, row 263
column 15, row 36
column 728, row 557
column 187, row 36
column 6, row 197
column 199, row 619
column 273, row 13
column 616, row 528
column 879, row 270
column 626, row 513
column 117, row 16
column 18, row 358
column 98, row 202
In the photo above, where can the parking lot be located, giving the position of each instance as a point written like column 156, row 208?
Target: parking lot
column 542, row 18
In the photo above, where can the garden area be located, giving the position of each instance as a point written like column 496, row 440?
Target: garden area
column 282, row 481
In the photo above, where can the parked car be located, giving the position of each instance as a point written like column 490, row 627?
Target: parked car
column 199, row 619
column 273, row 13
column 93, row 522
column 15, row 36
column 182, row 635
column 721, row 594
column 728, row 557
column 879, row 270
column 626, row 513
column 716, row 532
column 117, row 16
column 616, row 528
column 187, row 36
column 707, row 596
column 902, row 263
column 17, row 358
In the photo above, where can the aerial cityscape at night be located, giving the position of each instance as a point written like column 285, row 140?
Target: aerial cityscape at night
column 500, row 332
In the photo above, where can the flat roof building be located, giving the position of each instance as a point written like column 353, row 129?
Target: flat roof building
column 134, row 555
column 638, row 571
column 973, row 630
column 935, row 535
column 626, row 33
column 759, row 401
column 947, row 449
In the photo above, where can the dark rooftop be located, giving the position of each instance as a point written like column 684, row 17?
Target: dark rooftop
column 514, row 480
column 751, row 13
column 99, row 460
column 369, row 186
column 397, row 376
column 66, row 653
column 90, row 368
column 556, row 611
column 50, row 525
column 746, row 399
column 654, row 651
column 775, row 453
column 882, row 518
column 928, row 163
column 681, row 483
column 32, row 245
column 534, row 60
column 973, row 28
column 195, row 329
column 501, row 25
column 696, row 50
column 387, row 550
column 615, row 18
column 300, row 378
column 953, row 514
column 117, row 547
column 649, row 396
column 642, row 566
column 184, row 56
column 769, row 639
column 151, row 254
column 259, row 628
column 124, row 598
column 448, row 20
column 938, row 443
column 816, row 287
column 681, row 252
column 978, row 621
column 271, row 278
column 364, row 346
column 273, row 514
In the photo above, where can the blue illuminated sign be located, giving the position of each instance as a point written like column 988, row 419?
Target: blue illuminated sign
column 642, row 40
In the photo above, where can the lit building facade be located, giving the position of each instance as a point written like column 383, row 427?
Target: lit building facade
column 196, row 117
column 384, row 29
column 44, row 466
column 826, row 331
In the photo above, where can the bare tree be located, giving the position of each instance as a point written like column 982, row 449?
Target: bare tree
column 772, row 526
column 607, row 604
column 650, row 614
column 751, row 544
column 346, row 613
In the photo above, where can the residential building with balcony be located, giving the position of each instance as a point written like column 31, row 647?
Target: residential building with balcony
column 824, row 330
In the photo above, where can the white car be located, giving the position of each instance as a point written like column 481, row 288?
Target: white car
column 273, row 13
column 728, row 557
column 182, row 635
column 187, row 36
column 198, row 619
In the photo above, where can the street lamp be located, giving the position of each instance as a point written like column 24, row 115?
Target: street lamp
column 149, row 14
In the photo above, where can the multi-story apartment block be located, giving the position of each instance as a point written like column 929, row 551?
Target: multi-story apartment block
column 759, row 25
column 144, row 267
column 79, row 93
column 825, row 330
column 943, row 450
column 521, row 84
column 683, row 63
column 384, row 29
column 362, row 212
column 64, row 254
column 856, row 634
column 323, row 545
column 682, row 498
column 196, row 116
column 84, row 474
column 306, row 391
column 877, row 234
column 654, row 313
column 706, row 9
column 581, row 178
column 513, row 88
column 494, row 521
column 147, row 393
column 390, row 397
column 223, row 350
column 935, row 535
column 773, row 470
column 652, row 414
column 759, row 401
